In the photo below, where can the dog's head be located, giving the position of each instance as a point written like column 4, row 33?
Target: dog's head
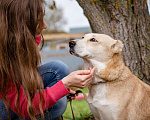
column 99, row 47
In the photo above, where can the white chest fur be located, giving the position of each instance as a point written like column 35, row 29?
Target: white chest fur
column 102, row 108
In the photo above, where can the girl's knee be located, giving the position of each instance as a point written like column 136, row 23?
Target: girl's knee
column 52, row 72
column 56, row 65
column 61, row 66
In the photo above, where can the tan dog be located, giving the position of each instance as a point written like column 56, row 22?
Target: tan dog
column 115, row 93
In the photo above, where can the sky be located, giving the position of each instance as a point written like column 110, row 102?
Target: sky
column 148, row 3
column 73, row 13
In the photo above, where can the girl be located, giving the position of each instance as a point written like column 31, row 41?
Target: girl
column 28, row 90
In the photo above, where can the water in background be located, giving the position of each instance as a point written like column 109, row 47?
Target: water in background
column 73, row 62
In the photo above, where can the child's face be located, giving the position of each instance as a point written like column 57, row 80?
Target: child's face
column 40, row 29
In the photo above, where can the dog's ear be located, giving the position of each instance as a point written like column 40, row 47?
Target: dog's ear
column 117, row 46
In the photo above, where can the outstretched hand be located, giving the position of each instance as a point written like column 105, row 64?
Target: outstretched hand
column 80, row 79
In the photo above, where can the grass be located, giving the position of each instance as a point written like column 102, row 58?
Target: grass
column 80, row 108
column 85, row 90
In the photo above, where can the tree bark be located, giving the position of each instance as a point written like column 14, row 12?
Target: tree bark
column 126, row 20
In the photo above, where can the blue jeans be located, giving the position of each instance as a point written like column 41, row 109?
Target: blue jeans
column 51, row 73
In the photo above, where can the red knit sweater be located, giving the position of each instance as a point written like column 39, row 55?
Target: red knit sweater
column 51, row 96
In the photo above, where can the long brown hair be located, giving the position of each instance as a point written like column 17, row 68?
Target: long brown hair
column 19, row 53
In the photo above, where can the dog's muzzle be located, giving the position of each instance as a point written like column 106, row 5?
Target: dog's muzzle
column 72, row 45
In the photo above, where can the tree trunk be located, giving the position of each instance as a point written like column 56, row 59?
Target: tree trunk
column 126, row 20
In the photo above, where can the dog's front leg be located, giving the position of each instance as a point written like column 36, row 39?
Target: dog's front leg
column 94, row 111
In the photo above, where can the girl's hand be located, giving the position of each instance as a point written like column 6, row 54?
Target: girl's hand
column 80, row 79
column 72, row 95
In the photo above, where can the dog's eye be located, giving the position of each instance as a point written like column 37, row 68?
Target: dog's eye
column 82, row 37
column 93, row 40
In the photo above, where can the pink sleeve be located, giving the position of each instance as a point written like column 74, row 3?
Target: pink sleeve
column 38, row 40
column 51, row 96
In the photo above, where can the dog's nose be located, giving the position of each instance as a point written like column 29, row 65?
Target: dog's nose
column 72, row 44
